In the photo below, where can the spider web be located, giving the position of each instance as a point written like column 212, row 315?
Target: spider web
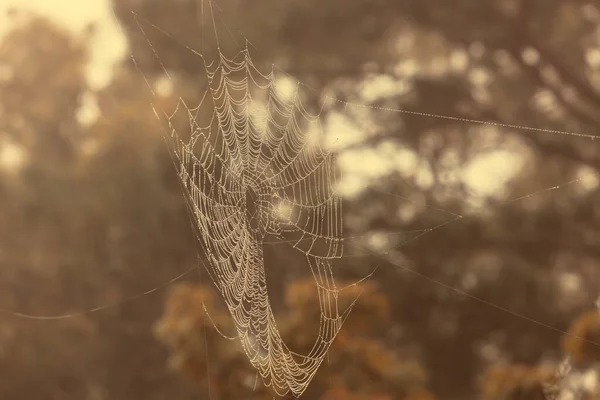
column 238, row 171
column 251, row 169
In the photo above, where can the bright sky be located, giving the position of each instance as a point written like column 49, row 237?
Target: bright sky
column 109, row 44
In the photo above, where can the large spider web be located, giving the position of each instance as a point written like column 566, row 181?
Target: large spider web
column 238, row 171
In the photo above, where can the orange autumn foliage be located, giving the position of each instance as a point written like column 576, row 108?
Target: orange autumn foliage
column 359, row 365
column 583, row 338
column 513, row 382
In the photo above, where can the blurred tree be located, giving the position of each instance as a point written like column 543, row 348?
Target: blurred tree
column 581, row 341
column 95, row 214
column 38, row 117
column 515, row 382
column 81, row 227
column 576, row 377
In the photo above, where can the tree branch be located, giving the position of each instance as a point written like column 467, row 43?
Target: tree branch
column 523, row 39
